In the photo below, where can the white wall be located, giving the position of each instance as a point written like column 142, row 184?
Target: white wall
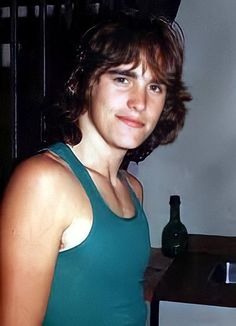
column 185, row 314
column 201, row 164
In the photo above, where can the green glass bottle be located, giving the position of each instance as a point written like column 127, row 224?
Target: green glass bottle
column 174, row 234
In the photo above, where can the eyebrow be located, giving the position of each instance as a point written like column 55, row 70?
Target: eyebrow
column 123, row 72
column 129, row 73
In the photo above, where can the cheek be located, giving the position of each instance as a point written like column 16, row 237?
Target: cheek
column 155, row 115
column 157, row 111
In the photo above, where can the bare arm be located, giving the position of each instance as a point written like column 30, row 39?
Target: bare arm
column 30, row 233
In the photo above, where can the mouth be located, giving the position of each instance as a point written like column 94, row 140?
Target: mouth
column 131, row 122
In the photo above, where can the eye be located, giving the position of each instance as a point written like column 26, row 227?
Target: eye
column 155, row 88
column 121, row 80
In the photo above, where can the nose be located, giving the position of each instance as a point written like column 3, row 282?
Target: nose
column 137, row 99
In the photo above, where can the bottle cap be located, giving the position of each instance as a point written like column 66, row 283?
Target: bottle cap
column 175, row 200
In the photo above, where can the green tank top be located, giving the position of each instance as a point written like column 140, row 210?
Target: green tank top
column 100, row 281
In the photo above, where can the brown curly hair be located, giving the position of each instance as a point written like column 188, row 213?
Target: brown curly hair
column 126, row 40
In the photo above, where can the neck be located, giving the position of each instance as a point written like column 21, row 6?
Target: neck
column 96, row 154
column 104, row 162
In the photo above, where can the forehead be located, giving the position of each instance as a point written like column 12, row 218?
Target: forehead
column 140, row 70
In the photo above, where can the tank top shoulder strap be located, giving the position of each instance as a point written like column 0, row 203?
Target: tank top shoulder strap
column 133, row 195
column 64, row 152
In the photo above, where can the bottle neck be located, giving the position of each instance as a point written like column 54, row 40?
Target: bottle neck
column 174, row 213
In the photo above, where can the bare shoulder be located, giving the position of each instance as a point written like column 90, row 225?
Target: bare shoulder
column 40, row 168
column 136, row 185
column 38, row 174
column 34, row 189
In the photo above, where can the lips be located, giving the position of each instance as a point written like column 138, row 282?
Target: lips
column 131, row 122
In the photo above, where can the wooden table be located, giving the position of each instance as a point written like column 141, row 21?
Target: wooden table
column 186, row 278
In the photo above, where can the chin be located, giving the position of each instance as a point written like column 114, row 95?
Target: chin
column 132, row 146
column 129, row 143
